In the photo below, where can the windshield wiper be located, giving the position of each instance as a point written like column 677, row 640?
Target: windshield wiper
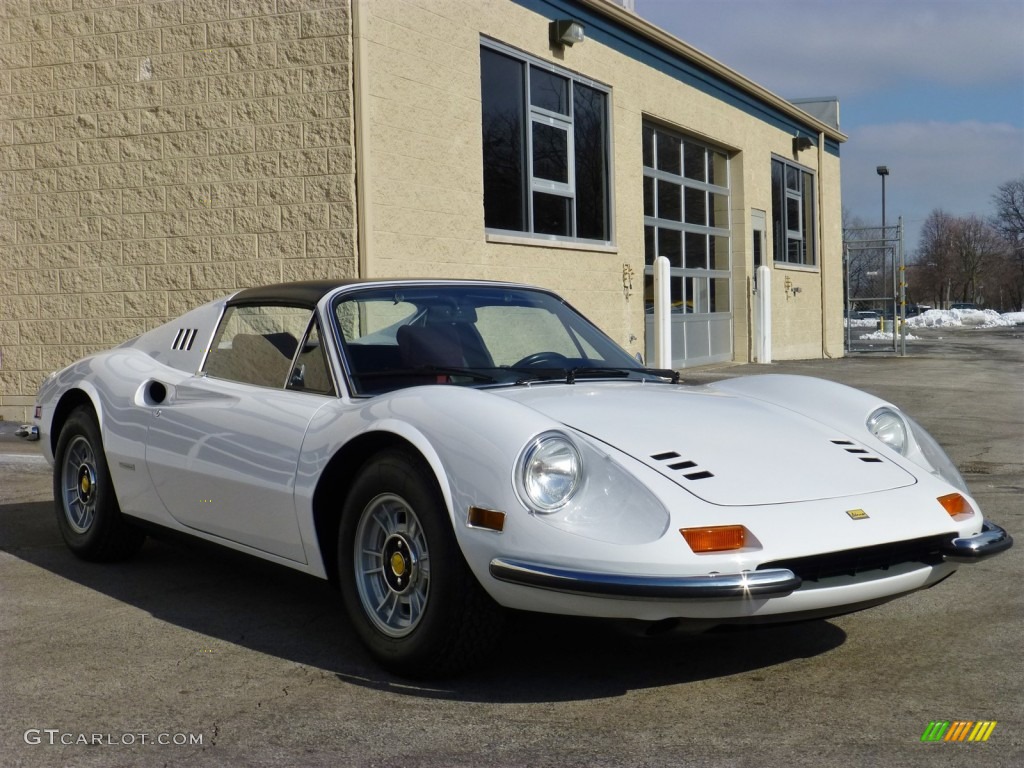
column 598, row 372
column 537, row 374
column 454, row 370
column 586, row 372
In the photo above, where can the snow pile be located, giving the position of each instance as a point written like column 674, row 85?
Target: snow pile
column 856, row 322
column 884, row 336
column 943, row 318
column 965, row 318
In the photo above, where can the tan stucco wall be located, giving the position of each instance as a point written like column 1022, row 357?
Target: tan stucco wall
column 154, row 155
column 425, row 187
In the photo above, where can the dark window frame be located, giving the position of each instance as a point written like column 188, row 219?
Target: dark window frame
column 794, row 214
column 687, row 193
column 561, row 189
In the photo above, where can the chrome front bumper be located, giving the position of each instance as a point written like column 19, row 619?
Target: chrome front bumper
column 776, row 582
column 770, row 582
column 991, row 541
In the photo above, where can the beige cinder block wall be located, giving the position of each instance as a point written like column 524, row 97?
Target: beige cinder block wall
column 154, row 155
column 424, row 180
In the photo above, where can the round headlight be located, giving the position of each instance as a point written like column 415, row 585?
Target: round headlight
column 889, row 427
column 551, row 472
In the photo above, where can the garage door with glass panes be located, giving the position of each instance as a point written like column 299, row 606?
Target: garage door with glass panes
column 686, row 220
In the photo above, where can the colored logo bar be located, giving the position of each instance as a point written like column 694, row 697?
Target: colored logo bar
column 958, row 730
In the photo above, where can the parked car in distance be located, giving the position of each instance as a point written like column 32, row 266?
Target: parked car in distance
column 913, row 310
column 446, row 450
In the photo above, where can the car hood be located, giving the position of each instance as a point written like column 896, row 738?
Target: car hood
column 726, row 449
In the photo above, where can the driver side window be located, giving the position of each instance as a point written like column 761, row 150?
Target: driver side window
column 257, row 345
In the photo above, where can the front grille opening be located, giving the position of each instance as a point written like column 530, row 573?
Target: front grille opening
column 851, row 562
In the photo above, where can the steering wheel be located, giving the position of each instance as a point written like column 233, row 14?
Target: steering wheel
column 543, row 360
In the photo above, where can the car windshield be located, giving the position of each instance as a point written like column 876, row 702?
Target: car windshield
column 474, row 335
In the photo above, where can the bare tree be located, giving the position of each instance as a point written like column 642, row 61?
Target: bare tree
column 978, row 250
column 960, row 259
column 933, row 266
column 1009, row 223
column 1009, row 218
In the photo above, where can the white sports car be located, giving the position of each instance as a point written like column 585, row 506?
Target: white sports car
column 446, row 449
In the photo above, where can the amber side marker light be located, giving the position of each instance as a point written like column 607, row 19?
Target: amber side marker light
column 717, row 538
column 487, row 518
column 955, row 504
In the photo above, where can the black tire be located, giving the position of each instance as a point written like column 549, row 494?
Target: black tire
column 406, row 587
column 88, row 514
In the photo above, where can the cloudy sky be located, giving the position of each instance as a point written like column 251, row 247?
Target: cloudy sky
column 933, row 89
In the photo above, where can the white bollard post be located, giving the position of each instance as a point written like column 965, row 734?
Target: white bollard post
column 763, row 316
column 662, row 314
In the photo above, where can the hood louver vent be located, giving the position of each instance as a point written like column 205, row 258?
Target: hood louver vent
column 861, row 453
column 671, row 461
column 184, row 339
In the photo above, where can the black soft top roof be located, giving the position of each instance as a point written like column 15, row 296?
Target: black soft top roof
column 301, row 294
column 308, row 293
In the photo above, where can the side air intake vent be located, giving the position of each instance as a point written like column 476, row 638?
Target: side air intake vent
column 184, row 339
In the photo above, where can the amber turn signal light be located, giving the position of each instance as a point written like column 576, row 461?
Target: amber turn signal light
column 487, row 518
column 717, row 538
column 955, row 504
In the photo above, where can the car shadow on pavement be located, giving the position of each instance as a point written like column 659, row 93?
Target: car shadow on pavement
column 285, row 614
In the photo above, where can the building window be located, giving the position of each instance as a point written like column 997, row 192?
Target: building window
column 545, row 149
column 686, row 219
column 793, row 214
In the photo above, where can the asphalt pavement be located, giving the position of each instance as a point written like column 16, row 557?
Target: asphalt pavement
column 193, row 656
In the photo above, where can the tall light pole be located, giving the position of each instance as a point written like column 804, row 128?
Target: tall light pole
column 883, row 171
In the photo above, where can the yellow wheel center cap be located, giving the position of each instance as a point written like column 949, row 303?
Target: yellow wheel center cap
column 85, row 484
column 397, row 564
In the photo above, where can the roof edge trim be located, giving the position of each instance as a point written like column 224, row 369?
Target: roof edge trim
column 657, row 38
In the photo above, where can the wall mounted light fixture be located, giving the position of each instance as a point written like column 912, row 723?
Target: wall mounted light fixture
column 801, row 143
column 562, row 32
